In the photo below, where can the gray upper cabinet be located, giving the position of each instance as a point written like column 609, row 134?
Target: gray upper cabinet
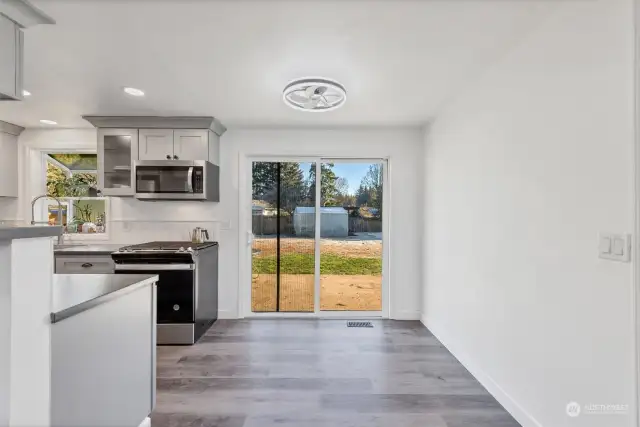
column 117, row 150
column 174, row 144
column 191, row 144
column 124, row 139
column 156, row 144
column 15, row 16
column 11, row 42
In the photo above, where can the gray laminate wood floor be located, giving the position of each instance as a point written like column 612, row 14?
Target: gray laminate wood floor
column 319, row 373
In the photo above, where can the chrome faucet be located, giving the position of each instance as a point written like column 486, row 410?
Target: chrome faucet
column 34, row 222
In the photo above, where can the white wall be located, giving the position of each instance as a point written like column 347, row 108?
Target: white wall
column 522, row 173
column 133, row 221
column 401, row 146
column 5, row 331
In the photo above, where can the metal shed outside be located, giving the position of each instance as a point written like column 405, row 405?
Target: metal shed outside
column 334, row 221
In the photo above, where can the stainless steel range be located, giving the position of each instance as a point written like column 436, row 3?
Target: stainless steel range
column 187, row 289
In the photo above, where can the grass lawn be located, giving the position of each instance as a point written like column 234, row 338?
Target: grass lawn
column 295, row 263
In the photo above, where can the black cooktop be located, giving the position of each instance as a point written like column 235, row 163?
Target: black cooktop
column 168, row 246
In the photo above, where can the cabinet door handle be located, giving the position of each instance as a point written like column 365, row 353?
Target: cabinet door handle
column 175, row 157
column 87, row 265
column 168, row 157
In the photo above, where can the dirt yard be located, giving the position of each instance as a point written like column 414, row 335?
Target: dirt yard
column 337, row 292
column 350, row 248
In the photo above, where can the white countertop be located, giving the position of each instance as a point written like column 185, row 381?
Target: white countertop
column 11, row 232
column 87, row 249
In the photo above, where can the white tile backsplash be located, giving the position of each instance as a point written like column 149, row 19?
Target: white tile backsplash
column 130, row 232
column 9, row 209
column 133, row 221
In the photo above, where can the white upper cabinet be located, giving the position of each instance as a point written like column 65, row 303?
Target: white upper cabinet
column 8, row 165
column 191, row 144
column 156, row 144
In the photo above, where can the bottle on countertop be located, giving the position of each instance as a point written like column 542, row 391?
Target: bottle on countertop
column 100, row 227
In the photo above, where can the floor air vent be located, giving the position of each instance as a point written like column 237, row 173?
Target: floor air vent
column 359, row 325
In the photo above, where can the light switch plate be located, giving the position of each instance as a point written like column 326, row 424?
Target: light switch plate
column 615, row 247
column 605, row 244
column 618, row 246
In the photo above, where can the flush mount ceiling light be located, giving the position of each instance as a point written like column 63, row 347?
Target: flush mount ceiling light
column 133, row 91
column 26, row 93
column 314, row 94
column 48, row 122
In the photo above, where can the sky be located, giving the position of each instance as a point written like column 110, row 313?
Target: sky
column 353, row 172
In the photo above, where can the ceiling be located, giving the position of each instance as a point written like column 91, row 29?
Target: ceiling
column 399, row 60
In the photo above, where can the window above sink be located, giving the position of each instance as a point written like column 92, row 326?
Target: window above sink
column 72, row 178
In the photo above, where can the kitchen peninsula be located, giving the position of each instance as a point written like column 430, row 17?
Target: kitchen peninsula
column 70, row 343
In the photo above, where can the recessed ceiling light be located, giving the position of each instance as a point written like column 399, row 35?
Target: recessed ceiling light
column 48, row 122
column 26, row 93
column 133, row 91
column 315, row 94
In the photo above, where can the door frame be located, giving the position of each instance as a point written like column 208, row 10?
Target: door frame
column 635, row 251
column 245, row 234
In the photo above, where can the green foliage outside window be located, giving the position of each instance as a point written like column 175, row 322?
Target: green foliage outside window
column 77, row 185
column 67, row 183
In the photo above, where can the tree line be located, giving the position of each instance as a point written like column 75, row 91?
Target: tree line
column 295, row 190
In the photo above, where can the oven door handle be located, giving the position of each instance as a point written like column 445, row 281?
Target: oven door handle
column 190, row 180
column 155, row 267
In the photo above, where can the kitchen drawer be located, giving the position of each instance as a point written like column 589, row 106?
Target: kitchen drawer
column 66, row 264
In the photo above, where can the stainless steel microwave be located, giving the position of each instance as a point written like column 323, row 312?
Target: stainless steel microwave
column 177, row 180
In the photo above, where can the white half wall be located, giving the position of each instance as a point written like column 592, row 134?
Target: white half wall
column 522, row 172
column 133, row 221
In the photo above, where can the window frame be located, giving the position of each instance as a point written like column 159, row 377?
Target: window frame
column 69, row 201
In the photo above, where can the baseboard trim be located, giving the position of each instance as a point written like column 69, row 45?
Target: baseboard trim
column 514, row 408
column 227, row 314
column 405, row 315
column 401, row 315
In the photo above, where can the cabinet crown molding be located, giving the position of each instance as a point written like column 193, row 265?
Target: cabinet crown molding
column 158, row 122
column 10, row 128
column 24, row 13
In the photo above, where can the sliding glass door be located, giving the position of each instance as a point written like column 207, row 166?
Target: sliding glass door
column 351, row 236
column 283, row 251
column 317, row 236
